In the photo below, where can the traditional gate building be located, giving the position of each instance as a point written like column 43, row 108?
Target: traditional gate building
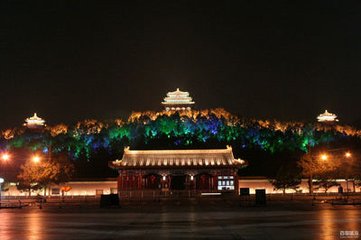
column 205, row 170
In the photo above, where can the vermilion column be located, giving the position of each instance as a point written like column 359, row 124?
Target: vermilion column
column 139, row 181
column 119, row 182
column 236, row 184
column 215, row 182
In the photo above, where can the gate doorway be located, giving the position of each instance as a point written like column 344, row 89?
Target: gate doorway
column 151, row 181
column 178, row 182
column 203, row 182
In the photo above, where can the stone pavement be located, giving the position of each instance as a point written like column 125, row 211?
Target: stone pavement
column 182, row 220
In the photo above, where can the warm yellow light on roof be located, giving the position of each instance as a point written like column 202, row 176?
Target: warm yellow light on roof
column 34, row 121
column 178, row 158
column 178, row 100
column 327, row 117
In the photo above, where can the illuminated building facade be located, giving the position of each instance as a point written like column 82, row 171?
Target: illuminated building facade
column 177, row 100
column 327, row 117
column 34, row 122
column 204, row 170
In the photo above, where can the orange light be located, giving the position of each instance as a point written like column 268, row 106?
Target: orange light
column 324, row 157
column 348, row 154
column 36, row 159
column 5, row 157
column 65, row 188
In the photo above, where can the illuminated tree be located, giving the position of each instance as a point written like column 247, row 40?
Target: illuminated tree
column 287, row 177
column 91, row 141
column 58, row 129
column 315, row 164
column 325, row 183
column 39, row 175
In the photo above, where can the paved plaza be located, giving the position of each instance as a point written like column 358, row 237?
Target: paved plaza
column 178, row 220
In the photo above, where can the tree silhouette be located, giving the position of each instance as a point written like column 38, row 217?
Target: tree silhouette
column 34, row 176
column 287, row 177
column 313, row 165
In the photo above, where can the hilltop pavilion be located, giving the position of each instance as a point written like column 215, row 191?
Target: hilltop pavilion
column 34, row 122
column 205, row 170
column 327, row 117
column 177, row 100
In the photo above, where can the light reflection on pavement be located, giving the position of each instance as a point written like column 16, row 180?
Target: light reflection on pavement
column 178, row 223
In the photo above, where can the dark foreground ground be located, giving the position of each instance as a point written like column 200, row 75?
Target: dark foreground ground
column 209, row 219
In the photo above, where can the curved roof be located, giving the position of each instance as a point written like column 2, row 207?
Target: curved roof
column 327, row 117
column 34, row 121
column 178, row 97
column 194, row 158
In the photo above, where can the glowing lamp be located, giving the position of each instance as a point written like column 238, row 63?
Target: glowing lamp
column 5, row 157
column 324, row 157
column 348, row 154
column 36, row 159
column 1, row 180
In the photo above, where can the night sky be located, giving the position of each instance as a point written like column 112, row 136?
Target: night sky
column 73, row 60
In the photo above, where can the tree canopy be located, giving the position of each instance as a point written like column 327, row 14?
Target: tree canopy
column 264, row 143
column 55, row 170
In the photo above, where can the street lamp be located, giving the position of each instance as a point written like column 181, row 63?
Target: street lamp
column 5, row 157
column 1, row 182
column 348, row 155
column 324, row 157
column 36, row 159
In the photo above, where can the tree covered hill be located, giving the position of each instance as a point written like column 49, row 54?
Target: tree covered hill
column 265, row 144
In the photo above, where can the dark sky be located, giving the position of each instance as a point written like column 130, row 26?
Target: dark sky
column 72, row 60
